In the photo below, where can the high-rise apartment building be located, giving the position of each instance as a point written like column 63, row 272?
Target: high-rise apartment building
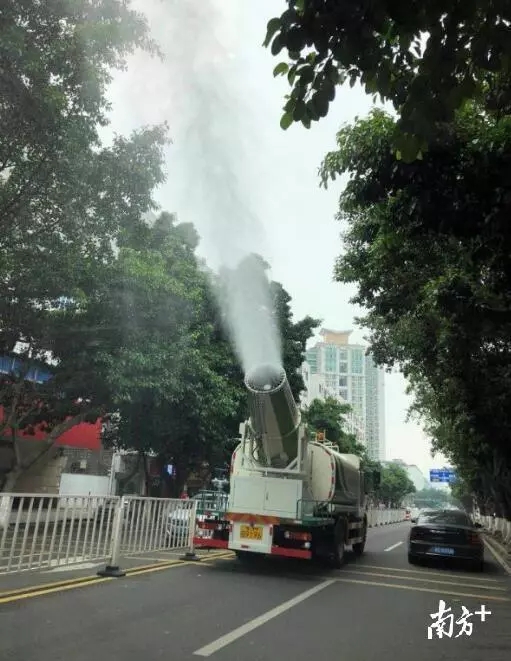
column 344, row 369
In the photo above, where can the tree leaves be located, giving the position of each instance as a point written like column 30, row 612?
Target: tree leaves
column 383, row 48
column 280, row 69
column 286, row 120
column 432, row 271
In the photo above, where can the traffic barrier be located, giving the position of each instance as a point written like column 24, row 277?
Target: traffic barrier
column 39, row 531
column 151, row 524
column 382, row 517
column 51, row 530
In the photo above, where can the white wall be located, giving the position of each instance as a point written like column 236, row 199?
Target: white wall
column 76, row 484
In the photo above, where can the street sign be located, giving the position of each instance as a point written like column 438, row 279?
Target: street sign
column 442, row 475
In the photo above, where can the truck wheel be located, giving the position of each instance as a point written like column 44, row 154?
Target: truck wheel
column 359, row 547
column 339, row 541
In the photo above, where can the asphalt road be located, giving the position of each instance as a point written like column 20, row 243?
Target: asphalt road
column 374, row 609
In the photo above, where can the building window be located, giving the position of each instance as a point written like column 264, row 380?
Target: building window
column 330, row 359
column 357, row 361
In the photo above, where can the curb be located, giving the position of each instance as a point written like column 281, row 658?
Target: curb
column 497, row 552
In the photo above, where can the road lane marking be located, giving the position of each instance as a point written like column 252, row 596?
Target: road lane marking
column 57, row 586
column 60, row 588
column 428, row 573
column 394, row 546
column 416, row 588
column 424, row 580
column 64, row 568
column 51, row 588
column 229, row 638
column 497, row 557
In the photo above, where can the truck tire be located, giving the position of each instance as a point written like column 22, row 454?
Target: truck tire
column 359, row 547
column 338, row 555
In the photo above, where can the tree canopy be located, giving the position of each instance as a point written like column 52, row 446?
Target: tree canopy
column 65, row 197
column 426, row 58
column 394, row 485
column 328, row 416
column 427, row 245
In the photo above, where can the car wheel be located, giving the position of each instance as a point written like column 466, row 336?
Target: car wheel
column 412, row 559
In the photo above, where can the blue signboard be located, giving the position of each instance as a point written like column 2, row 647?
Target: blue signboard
column 443, row 475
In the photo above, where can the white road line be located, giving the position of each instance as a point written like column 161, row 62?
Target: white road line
column 229, row 638
column 394, row 546
column 83, row 565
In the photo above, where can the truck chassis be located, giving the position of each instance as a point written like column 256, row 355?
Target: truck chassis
column 314, row 538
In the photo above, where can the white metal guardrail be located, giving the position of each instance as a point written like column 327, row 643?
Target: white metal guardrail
column 48, row 531
column 496, row 525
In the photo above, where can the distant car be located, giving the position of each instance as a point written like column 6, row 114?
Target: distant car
column 414, row 513
column 210, row 504
column 446, row 534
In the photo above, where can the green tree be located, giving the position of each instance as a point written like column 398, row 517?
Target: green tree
column 427, row 245
column 395, row 485
column 425, row 58
column 329, row 416
column 167, row 370
column 65, row 198
column 432, row 498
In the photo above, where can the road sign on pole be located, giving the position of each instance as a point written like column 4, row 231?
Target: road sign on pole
column 442, row 475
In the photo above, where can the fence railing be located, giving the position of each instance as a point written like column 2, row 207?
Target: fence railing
column 50, row 531
column 377, row 517
column 501, row 528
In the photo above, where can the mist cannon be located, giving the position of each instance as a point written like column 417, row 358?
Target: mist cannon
column 274, row 416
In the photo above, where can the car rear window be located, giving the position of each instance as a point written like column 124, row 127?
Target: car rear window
column 448, row 518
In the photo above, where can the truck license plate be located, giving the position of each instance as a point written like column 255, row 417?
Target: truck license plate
column 441, row 550
column 251, row 532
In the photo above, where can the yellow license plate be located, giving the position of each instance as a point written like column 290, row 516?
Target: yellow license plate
column 251, row 532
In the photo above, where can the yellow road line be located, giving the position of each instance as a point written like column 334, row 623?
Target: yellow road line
column 44, row 586
column 424, row 572
column 423, row 580
column 416, row 588
column 56, row 586
column 82, row 579
column 51, row 589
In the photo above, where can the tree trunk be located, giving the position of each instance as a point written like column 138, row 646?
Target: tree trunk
column 19, row 467
column 11, row 478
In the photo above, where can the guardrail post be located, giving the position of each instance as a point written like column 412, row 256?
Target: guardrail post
column 112, row 569
column 190, row 555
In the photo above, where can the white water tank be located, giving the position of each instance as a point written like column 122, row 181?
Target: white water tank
column 334, row 477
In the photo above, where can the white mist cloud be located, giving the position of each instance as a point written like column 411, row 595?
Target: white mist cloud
column 214, row 135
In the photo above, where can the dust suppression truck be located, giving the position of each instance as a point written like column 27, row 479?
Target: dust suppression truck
column 290, row 495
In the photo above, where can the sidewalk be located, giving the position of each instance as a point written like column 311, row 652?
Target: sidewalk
column 34, row 579
column 501, row 551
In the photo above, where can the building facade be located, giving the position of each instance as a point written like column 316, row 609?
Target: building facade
column 414, row 473
column 343, row 370
column 316, row 388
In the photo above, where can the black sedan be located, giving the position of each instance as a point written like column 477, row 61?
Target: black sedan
column 446, row 534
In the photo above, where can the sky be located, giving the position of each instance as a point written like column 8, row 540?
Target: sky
column 297, row 232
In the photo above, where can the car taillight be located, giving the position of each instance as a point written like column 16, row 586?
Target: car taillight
column 473, row 538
